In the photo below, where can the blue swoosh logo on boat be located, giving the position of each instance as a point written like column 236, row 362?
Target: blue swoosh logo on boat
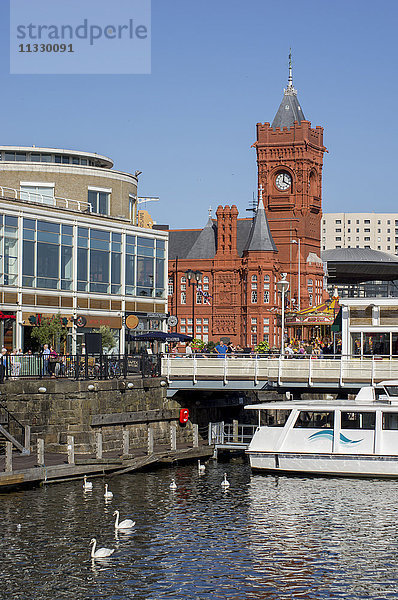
column 328, row 433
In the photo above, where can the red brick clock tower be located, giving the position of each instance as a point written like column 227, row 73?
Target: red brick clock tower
column 290, row 159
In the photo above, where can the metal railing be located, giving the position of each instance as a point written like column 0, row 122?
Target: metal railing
column 222, row 433
column 53, row 201
column 12, row 430
column 323, row 370
column 92, row 366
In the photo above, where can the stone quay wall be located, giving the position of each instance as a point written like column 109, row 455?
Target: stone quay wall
column 67, row 407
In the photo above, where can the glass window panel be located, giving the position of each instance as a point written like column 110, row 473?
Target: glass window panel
column 75, row 160
column 92, row 200
column 47, row 283
column 130, row 239
column 99, row 245
column 82, row 286
column 82, row 242
column 130, row 249
column 145, row 272
column 28, row 234
column 99, row 266
column 390, row 420
column 115, row 267
column 117, row 237
column 9, row 155
column 160, row 275
column 160, row 253
column 82, row 232
column 47, row 260
column 116, row 289
column 358, row 420
column 29, row 224
column 99, row 234
column 35, row 157
column 28, row 281
column 315, row 419
column 66, row 284
column 144, row 251
column 11, row 221
column 65, row 160
column 58, row 158
column 67, row 229
column 83, row 161
column 66, row 262
column 28, row 258
column 45, row 236
column 130, row 271
column 46, row 158
column 103, row 203
column 82, row 270
column 67, row 240
column 145, row 242
column 46, row 226
column 161, row 244
column 116, row 247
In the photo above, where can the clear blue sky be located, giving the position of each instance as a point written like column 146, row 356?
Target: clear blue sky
column 218, row 68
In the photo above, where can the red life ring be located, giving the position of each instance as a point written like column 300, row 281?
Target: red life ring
column 184, row 415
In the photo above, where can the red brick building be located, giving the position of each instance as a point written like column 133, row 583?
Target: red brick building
column 241, row 260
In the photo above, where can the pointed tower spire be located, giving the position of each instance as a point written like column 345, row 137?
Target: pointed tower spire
column 260, row 238
column 289, row 110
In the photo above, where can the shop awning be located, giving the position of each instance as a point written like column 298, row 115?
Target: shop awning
column 160, row 336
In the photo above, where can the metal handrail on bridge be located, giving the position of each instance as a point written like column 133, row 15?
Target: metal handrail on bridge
column 311, row 370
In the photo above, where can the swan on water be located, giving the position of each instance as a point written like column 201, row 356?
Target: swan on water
column 126, row 524
column 108, row 494
column 201, row 468
column 87, row 485
column 173, row 485
column 101, row 552
column 225, row 482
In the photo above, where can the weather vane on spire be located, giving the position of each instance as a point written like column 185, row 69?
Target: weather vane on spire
column 290, row 89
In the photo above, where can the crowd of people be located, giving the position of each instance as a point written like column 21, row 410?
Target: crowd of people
column 19, row 363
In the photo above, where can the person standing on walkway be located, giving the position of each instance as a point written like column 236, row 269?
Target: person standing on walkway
column 221, row 349
column 46, row 356
column 3, row 364
column 188, row 349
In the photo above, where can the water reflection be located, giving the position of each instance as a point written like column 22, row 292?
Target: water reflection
column 264, row 537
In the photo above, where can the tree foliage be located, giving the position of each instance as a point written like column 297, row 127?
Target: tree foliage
column 108, row 339
column 51, row 330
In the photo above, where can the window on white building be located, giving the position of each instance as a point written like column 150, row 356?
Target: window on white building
column 98, row 199
column 38, row 192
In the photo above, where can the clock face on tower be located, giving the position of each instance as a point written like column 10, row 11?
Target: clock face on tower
column 283, row 181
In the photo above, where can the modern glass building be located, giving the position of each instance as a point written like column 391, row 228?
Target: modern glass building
column 69, row 246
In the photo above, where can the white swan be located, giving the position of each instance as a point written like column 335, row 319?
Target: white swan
column 126, row 524
column 173, row 485
column 201, row 468
column 101, row 552
column 87, row 485
column 225, row 482
column 108, row 494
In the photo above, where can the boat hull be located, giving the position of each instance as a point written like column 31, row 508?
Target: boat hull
column 345, row 465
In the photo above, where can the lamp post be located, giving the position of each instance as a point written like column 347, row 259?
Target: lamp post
column 194, row 278
column 283, row 287
column 298, row 242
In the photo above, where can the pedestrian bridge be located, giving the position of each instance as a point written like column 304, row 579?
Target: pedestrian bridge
column 256, row 372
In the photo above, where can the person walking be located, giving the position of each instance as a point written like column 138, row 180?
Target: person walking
column 188, row 349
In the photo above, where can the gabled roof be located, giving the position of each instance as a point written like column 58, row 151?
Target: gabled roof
column 260, row 238
column 205, row 244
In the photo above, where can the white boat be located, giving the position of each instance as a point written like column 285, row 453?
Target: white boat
column 338, row 438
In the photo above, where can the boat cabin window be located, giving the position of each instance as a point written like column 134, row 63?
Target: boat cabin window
column 390, row 420
column 392, row 390
column 358, row 420
column 276, row 418
column 315, row 419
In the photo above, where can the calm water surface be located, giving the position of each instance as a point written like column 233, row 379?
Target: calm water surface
column 264, row 538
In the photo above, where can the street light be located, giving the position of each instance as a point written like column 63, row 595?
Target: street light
column 298, row 242
column 283, row 287
column 194, row 278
